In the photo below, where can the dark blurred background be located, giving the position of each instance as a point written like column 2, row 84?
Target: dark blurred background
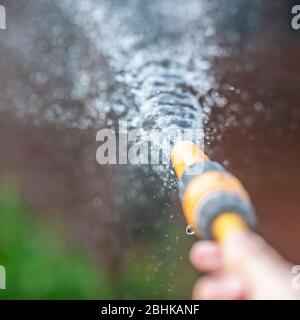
column 70, row 228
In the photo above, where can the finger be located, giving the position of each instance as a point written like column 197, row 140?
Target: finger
column 218, row 287
column 206, row 256
column 264, row 272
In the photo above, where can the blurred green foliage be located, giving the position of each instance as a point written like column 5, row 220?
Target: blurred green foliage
column 40, row 265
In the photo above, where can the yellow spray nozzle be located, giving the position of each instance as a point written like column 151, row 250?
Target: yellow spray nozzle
column 214, row 202
column 185, row 154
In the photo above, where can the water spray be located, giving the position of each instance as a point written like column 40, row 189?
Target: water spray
column 214, row 202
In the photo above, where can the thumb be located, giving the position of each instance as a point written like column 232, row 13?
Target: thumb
column 263, row 272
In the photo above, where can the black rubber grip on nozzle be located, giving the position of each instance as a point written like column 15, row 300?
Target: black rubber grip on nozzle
column 195, row 170
column 219, row 203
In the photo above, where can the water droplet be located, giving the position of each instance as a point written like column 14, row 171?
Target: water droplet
column 189, row 230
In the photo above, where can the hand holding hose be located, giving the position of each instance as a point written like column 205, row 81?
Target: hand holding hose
column 243, row 267
column 218, row 208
